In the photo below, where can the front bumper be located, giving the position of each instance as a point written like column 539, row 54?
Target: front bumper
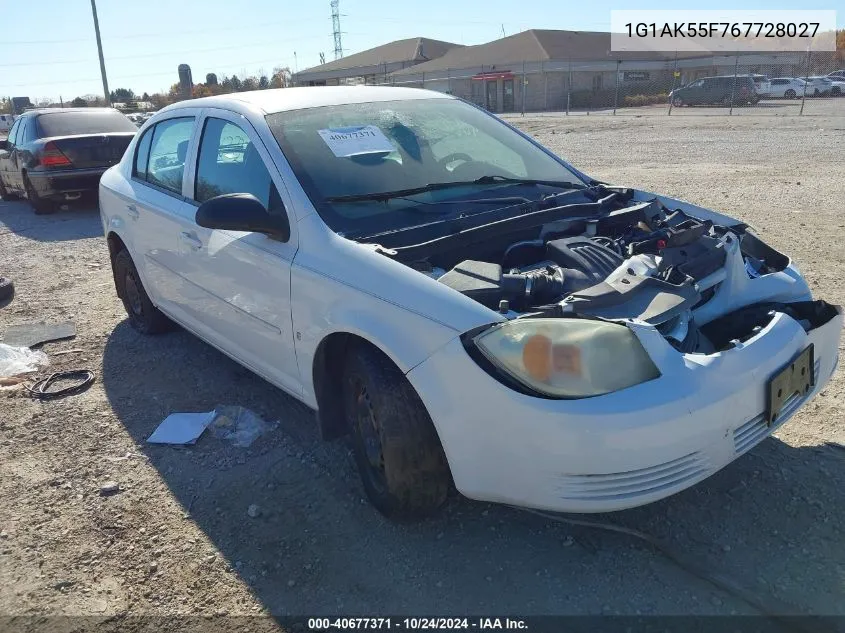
column 623, row 449
column 58, row 183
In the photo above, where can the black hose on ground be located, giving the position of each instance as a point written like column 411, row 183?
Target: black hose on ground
column 773, row 610
column 40, row 391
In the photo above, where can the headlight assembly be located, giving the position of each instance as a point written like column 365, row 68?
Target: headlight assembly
column 567, row 358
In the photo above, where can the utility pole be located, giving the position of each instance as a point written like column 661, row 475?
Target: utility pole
column 100, row 52
column 338, row 47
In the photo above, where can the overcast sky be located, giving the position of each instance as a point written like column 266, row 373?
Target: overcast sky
column 48, row 46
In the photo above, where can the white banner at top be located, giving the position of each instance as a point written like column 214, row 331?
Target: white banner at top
column 722, row 31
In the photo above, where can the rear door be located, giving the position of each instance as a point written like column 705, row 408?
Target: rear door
column 6, row 157
column 243, row 277
column 157, row 212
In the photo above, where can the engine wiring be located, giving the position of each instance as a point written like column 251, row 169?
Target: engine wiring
column 771, row 609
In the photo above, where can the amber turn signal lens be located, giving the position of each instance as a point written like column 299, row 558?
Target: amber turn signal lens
column 537, row 357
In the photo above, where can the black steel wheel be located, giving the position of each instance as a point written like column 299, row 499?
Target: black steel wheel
column 397, row 450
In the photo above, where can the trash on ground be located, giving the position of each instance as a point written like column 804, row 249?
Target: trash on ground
column 109, row 488
column 41, row 389
column 253, row 511
column 181, row 428
column 238, row 425
column 231, row 423
column 31, row 334
column 67, row 351
column 20, row 360
column 11, row 381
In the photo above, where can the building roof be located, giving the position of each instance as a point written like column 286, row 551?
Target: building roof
column 412, row 50
column 536, row 45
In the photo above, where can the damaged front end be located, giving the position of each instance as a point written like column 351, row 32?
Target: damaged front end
column 569, row 291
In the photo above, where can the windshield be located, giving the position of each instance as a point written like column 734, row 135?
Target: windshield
column 70, row 123
column 388, row 146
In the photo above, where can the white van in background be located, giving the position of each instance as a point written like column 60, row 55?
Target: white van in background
column 6, row 121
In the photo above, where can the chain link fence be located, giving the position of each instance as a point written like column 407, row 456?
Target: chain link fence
column 777, row 84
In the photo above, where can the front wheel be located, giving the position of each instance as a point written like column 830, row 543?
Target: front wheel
column 396, row 447
column 790, row 94
column 677, row 102
column 41, row 206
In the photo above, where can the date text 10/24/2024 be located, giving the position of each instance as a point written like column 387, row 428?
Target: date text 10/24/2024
column 417, row 624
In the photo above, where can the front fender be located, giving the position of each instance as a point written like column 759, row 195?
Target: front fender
column 323, row 305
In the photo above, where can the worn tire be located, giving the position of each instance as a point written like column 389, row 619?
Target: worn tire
column 41, row 206
column 396, row 447
column 143, row 315
column 7, row 289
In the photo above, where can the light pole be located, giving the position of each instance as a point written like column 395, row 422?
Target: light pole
column 100, row 52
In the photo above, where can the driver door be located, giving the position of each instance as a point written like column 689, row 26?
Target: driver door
column 243, row 277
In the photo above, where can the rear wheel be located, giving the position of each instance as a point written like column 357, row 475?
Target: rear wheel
column 790, row 94
column 397, row 450
column 41, row 206
column 4, row 193
column 143, row 315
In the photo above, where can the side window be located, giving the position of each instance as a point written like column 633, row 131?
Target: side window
column 13, row 132
column 229, row 163
column 142, row 155
column 168, row 152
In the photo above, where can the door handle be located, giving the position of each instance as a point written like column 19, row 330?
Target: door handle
column 132, row 211
column 191, row 240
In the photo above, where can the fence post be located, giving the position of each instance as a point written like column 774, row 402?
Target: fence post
column 616, row 90
column 545, row 87
column 675, row 75
column 423, row 79
column 449, row 80
column 569, row 87
column 733, row 85
column 524, row 85
column 806, row 78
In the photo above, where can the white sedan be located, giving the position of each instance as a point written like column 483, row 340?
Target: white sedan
column 786, row 88
column 461, row 302
column 818, row 86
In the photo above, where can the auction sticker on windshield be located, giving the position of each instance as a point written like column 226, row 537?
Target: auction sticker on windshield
column 353, row 141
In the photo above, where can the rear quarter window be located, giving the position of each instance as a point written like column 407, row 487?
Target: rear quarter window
column 70, row 123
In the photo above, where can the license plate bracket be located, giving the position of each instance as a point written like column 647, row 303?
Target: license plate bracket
column 797, row 376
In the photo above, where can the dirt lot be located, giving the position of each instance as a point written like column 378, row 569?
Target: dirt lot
column 177, row 538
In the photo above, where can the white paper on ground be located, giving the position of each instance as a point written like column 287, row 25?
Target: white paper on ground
column 353, row 141
column 181, row 428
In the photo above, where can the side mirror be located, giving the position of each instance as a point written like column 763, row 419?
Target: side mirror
column 242, row 212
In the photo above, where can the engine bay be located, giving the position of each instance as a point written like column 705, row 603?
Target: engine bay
column 646, row 262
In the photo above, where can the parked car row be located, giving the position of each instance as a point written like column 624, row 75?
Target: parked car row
column 139, row 118
column 729, row 90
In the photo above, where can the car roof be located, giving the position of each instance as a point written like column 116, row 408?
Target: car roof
column 284, row 99
column 39, row 111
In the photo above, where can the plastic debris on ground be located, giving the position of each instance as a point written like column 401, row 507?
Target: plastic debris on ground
column 20, row 360
column 237, row 425
column 230, row 423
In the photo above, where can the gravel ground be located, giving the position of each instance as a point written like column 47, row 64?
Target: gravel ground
column 178, row 538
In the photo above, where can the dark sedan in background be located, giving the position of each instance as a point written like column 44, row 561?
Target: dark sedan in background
column 57, row 155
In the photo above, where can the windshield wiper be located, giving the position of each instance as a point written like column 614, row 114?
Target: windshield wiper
column 484, row 180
